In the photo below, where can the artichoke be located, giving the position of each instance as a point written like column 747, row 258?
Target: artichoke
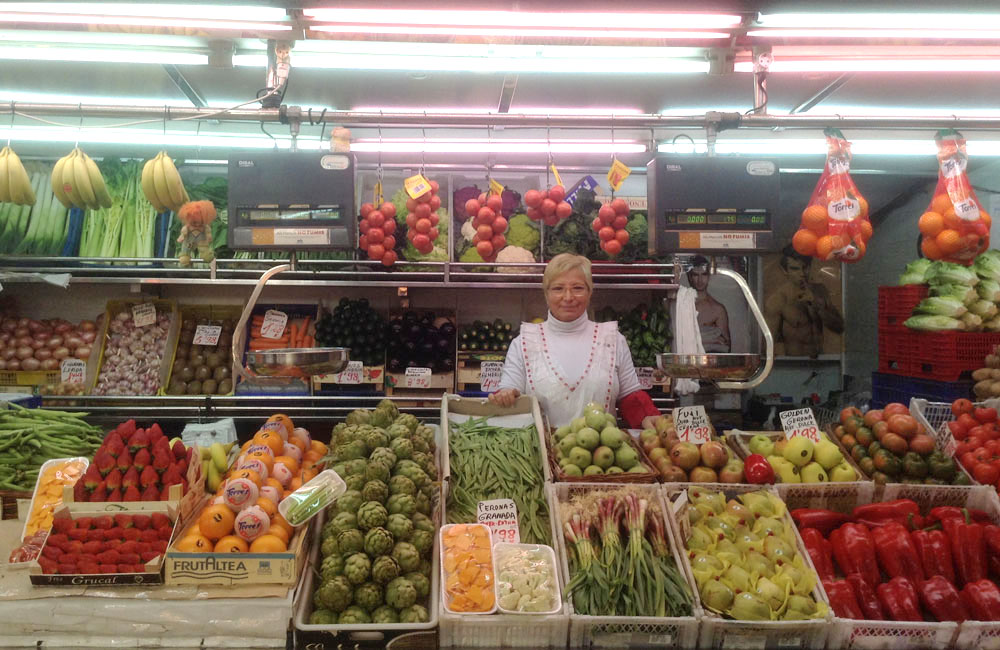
column 401, row 527
column 357, row 416
column 349, row 501
column 385, row 570
column 357, row 568
column 354, row 450
column 340, row 468
column 375, row 438
column 390, row 408
column 354, row 616
column 422, row 541
column 375, row 491
column 427, row 433
column 402, row 504
column 420, row 582
column 355, row 481
column 335, row 595
column 423, row 522
column 425, row 567
column 412, row 471
column 384, row 615
column 383, row 455
column 407, row 555
column 323, row 617
column 402, row 447
column 356, row 466
column 329, row 546
column 399, row 484
column 423, row 502
column 409, row 421
column 381, row 418
column 400, row 593
column 398, row 431
column 341, row 522
column 351, row 541
column 414, row 614
column 368, row 596
column 378, row 541
column 420, row 446
column 331, row 567
column 371, row 514
column 432, row 491
column 377, row 472
column 425, row 461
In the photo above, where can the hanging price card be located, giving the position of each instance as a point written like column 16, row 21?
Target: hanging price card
column 489, row 375
column 692, row 425
column 800, row 423
column 496, row 187
column 416, row 186
column 555, row 172
column 618, row 173
column 350, row 375
column 417, row 378
column 500, row 516
column 645, row 377
column 207, row 335
column 377, row 194
column 274, row 324
column 73, row 371
column 144, row 314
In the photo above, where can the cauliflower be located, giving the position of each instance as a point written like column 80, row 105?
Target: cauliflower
column 522, row 232
column 514, row 254
column 468, row 230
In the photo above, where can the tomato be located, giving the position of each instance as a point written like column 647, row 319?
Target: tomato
column 871, row 417
column 985, row 473
column 981, row 454
column 880, row 429
column 960, row 406
column 967, row 460
column 978, row 432
column 967, row 421
column 894, row 408
column 849, row 412
column 975, row 443
column 961, row 448
column 990, row 433
column 957, row 430
column 992, row 446
column 985, row 415
column 904, row 425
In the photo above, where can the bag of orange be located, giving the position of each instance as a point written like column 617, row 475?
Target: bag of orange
column 955, row 228
column 835, row 224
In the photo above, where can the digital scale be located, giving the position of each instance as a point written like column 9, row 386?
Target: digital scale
column 711, row 204
column 288, row 200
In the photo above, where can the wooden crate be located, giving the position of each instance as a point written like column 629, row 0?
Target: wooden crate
column 372, row 379
column 440, row 383
column 469, row 368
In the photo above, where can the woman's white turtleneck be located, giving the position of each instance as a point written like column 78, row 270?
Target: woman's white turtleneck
column 569, row 345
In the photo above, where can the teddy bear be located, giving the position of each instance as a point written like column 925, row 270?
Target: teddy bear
column 196, row 235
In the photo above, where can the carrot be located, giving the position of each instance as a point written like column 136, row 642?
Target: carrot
column 304, row 328
column 294, row 338
column 265, row 344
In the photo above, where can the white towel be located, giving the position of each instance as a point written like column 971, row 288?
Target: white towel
column 687, row 335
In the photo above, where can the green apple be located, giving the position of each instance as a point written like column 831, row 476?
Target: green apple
column 593, row 406
column 843, row 472
column 786, row 471
column 592, row 470
column 799, row 451
column 576, row 424
column 827, row 454
column 562, row 432
column 595, row 420
column 814, row 473
column 567, row 443
column 588, row 438
column 761, row 444
column 572, row 470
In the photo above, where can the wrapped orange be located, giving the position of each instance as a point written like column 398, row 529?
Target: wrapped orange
column 467, row 560
column 55, row 475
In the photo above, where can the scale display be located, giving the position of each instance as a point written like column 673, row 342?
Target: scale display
column 281, row 200
column 711, row 203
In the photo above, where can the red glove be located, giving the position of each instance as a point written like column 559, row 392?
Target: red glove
column 635, row 407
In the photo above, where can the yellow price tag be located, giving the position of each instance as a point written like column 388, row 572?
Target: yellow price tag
column 618, row 173
column 496, row 187
column 378, row 198
column 555, row 172
column 416, row 186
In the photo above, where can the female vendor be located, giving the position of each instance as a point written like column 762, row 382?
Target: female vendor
column 569, row 361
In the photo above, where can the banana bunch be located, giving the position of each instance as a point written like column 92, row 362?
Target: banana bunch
column 214, row 463
column 162, row 184
column 15, row 185
column 76, row 181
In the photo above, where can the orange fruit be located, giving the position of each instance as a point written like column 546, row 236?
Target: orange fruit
column 277, row 521
column 246, row 445
column 311, row 456
column 824, row 247
column 193, row 529
column 804, row 242
column 839, row 241
column 298, row 442
column 248, row 474
column 268, row 543
column 985, row 216
column 262, row 456
column 280, row 533
column 815, row 219
column 307, row 464
column 949, row 241
column 231, row 544
column 294, row 484
column 930, row 224
column 941, row 203
column 929, row 248
column 319, row 448
column 308, row 474
column 216, row 522
column 267, row 506
column 272, row 440
column 952, row 220
column 866, row 229
column 863, row 206
column 284, row 422
column 195, row 544
column 289, row 462
column 275, row 483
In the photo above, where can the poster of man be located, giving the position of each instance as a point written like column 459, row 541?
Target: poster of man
column 713, row 318
column 803, row 305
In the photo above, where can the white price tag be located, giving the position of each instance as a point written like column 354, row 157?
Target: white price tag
column 489, row 375
column 207, row 335
column 954, row 166
column 352, row 374
column 844, row 209
column 274, row 324
column 301, row 237
column 204, row 434
column 967, row 210
column 144, row 314
column 800, row 423
column 645, row 378
column 73, row 371
column 500, row 516
column 417, row 378
column 692, row 425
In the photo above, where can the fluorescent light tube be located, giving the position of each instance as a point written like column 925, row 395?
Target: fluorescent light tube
column 517, row 32
column 877, row 65
column 949, row 35
column 479, row 110
column 817, row 146
column 952, row 21
column 204, row 11
column 569, row 19
column 473, row 145
column 102, row 55
column 74, row 19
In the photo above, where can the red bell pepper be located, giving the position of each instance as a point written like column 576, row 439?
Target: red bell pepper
column 935, row 553
column 941, row 599
column 819, row 551
column 983, row 600
column 842, row 599
column 825, row 521
column 896, row 553
column 968, row 515
column 854, row 550
column 968, row 546
column 758, row 470
column 991, row 534
column 865, row 594
column 903, row 511
column 899, row 598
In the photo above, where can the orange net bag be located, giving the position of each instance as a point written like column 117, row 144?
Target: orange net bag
column 955, row 227
column 835, row 223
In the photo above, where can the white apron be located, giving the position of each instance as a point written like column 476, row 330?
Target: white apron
column 562, row 398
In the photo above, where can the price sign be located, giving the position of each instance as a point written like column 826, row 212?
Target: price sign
column 496, row 187
column 377, row 194
column 352, row 374
column 967, row 210
column 645, row 378
column 73, row 371
column 500, row 516
column 692, row 424
column 204, row 434
column 416, row 186
column 490, row 372
column 274, row 324
column 555, row 172
column 144, row 314
column 207, row 335
column 800, row 423
column 417, row 378
column 618, row 173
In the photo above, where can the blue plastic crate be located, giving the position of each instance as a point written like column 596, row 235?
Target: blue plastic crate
column 899, row 388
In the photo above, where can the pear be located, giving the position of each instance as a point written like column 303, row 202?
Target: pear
column 577, row 424
column 827, row 454
column 843, row 472
column 761, row 444
column 799, row 451
column 786, row 471
column 814, row 473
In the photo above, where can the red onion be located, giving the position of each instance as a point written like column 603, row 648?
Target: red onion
column 22, row 322
column 35, row 326
column 14, row 364
column 23, row 341
column 36, row 344
column 24, row 352
column 8, row 325
column 43, row 336
column 43, row 353
column 88, row 336
column 62, row 328
column 82, row 352
column 3, row 364
column 54, row 342
column 87, row 326
column 21, row 331
column 5, row 336
column 50, row 364
column 30, row 364
column 61, row 353
column 73, row 342
column 8, row 353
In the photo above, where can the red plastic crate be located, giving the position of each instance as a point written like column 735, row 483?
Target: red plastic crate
column 895, row 304
column 942, row 356
column 895, row 354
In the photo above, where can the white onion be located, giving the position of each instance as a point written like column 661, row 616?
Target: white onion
column 43, row 353
column 61, row 353
column 87, row 326
column 14, row 364
column 30, row 364
column 82, row 352
column 54, row 342
column 50, row 364
column 24, row 352
column 21, row 332
column 88, row 336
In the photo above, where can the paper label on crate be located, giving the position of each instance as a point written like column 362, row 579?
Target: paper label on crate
column 73, row 371
column 950, row 447
column 618, row 173
column 204, row 434
column 207, row 335
column 352, row 374
column 417, row 378
column 500, row 516
column 496, row 187
column 144, row 314
column 489, row 375
column 967, row 210
column 274, row 324
column 416, row 186
column 645, row 378
column 800, row 423
column 733, row 641
column 692, row 424
column 301, row 237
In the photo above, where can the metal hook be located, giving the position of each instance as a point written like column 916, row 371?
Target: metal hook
column 79, row 129
column 423, row 150
column 380, row 170
column 166, row 112
column 10, row 130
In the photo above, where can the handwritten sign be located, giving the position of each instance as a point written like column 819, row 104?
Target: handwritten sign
column 489, row 375
column 274, row 324
column 496, row 187
column 416, row 186
column 555, row 172
column 73, row 371
column 204, row 434
column 800, row 423
column 377, row 193
column 207, row 335
column 618, row 173
column 144, row 314
column 500, row 516
column 692, row 424
column 645, row 378
column 352, row 374
column 417, row 378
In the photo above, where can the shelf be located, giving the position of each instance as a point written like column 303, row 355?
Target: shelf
column 823, row 358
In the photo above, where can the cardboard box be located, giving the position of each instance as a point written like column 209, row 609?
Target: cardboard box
column 153, row 575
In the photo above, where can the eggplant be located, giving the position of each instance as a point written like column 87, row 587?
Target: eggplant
column 443, row 344
column 447, row 364
column 448, row 329
column 395, row 364
column 427, row 320
column 415, row 332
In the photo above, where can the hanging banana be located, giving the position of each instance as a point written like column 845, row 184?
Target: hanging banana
column 76, row 181
column 162, row 184
column 15, row 184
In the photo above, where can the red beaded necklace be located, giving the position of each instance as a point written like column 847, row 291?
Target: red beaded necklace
column 552, row 366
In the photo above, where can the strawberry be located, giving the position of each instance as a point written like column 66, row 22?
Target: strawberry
column 126, row 568
column 161, row 460
column 160, row 546
column 80, row 492
column 73, row 558
column 143, row 547
column 180, row 451
column 86, row 557
column 165, row 533
column 141, row 522
column 104, row 462
column 93, row 547
column 131, row 494
column 66, row 569
column 84, row 522
column 129, row 558
column 182, row 467
column 160, row 520
column 104, row 522
column 114, row 445
column 148, row 477
column 109, row 568
column 52, row 552
column 113, row 544
column 155, row 429
column 190, row 454
column 48, row 566
column 172, row 476
column 62, row 525
column 149, row 556
column 123, row 521
column 138, row 440
column 129, row 547
column 95, row 535
column 114, row 479
column 115, row 495
column 149, row 536
column 59, row 540
column 150, row 493
column 124, row 461
column 88, row 568
column 100, row 494
column 126, row 429
column 91, row 478
column 114, row 533
column 160, row 444
column 131, row 478
column 141, row 459
column 109, row 435
column 78, row 534
column 109, row 557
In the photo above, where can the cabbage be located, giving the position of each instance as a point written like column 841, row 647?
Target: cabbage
column 940, row 306
column 915, row 272
column 933, row 323
column 948, row 273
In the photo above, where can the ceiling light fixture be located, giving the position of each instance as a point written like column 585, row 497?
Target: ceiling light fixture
column 144, row 21
column 569, row 19
column 818, row 147
column 480, row 110
column 877, row 65
column 942, row 34
column 948, row 22
column 494, row 145
column 102, row 55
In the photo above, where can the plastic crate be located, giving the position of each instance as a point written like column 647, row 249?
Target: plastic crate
column 888, row 387
column 625, row 631
column 718, row 633
column 894, row 353
column 934, row 416
column 895, row 304
column 943, row 356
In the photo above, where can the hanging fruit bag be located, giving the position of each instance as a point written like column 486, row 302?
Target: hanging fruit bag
column 835, row 224
column 955, row 228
